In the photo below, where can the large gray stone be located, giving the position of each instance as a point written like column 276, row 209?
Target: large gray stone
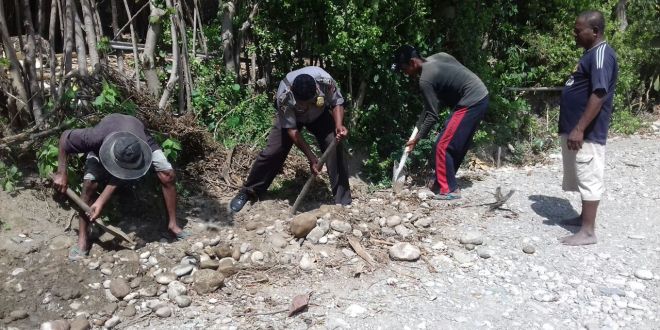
column 341, row 226
column 207, row 281
column 472, row 237
column 183, row 301
column 403, row 251
column 55, row 325
column 393, row 221
column 227, row 266
column 303, row 223
column 175, row 289
column 80, row 324
column 209, row 264
column 164, row 311
column 119, row 288
column 180, row 270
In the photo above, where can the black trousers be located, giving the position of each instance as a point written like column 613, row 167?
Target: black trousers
column 270, row 161
column 454, row 141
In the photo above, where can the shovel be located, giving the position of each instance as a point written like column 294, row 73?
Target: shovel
column 308, row 184
column 398, row 177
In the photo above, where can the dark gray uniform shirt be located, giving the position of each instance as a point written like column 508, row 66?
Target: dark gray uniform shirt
column 289, row 115
column 90, row 139
column 445, row 81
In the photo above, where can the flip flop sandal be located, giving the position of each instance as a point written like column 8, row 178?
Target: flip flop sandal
column 75, row 253
column 183, row 235
column 447, row 197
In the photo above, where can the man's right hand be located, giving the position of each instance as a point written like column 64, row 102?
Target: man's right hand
column 60, row 182
column 313, row 166
column 410, row 145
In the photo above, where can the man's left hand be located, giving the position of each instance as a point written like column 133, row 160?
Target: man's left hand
column 575, row 139
column 341, row 133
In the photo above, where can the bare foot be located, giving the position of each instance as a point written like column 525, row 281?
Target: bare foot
column 175, row 229
column 580, row 238
column 577, row 221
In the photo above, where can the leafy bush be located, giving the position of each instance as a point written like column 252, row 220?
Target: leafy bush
column 172, row 149
column 233, row 113
column 47, row 158
column 47, row 163
column 109, row 101
column 9, row 176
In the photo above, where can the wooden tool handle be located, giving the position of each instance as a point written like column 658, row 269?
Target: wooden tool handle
column 308, row 184
column 74, row 197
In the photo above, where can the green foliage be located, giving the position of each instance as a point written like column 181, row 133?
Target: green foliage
column 4, row 63
column 109, row 101
column 47, row 163
column 104, row 45
column 172, row 149
column 47, row 158
column 506, row 43
column 625, row 122
column 9, row 177
column 230, row 111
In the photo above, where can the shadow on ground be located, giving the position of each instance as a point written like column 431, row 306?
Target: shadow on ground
column 289, row 189
column 554, row 210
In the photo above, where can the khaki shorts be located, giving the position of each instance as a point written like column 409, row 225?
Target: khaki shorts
column 584, row 169
column 95, row 171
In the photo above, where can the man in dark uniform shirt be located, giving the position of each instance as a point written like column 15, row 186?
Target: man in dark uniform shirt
column 307, row 97
column 584, row 118
column 444, row 81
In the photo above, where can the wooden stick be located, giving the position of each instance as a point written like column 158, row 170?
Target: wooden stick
column 129, row 21
column 381, row 241
column 357, row 247
column 308, row 184
column 136, row 59
column 428, row 264
column 107, row 228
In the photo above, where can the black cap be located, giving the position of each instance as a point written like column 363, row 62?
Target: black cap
column 303, row 87
column 402, row 56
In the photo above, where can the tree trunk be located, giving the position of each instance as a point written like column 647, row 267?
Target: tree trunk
column 621, row 15
column 90, row 32
column 52, row 63
column 228, row 10
column 242, row 33
column 362, row 92
column 80, row 43
column 19, row 30
column 135, row 52
column 35, row 92
column 68, row 35
column 185, row 60
column 115, row 31
column 174, row 77
column 97, row 23
column 194, row 34
column 202, row 37
column 14, row 66
column 148, row 58
column 41, row 23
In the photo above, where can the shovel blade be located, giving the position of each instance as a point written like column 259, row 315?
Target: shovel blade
column 398, row 178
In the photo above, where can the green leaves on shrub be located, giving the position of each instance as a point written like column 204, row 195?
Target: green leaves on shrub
column 9, row 176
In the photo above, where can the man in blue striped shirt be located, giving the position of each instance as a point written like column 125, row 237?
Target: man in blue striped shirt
column 584, row 118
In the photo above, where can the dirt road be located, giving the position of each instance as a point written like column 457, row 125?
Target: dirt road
column 513, row 274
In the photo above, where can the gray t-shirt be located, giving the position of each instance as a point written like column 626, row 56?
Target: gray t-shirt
column 289, row 115
column 90, row 139
column 445, row 81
